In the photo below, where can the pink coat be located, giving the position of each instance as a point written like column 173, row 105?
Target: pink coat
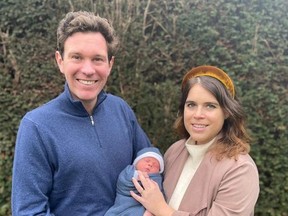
column 218, row 188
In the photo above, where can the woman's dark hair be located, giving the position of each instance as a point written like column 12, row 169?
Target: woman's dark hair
column 234, row 139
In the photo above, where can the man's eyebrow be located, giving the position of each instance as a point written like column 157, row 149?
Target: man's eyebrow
column 99, row 55
column 73, row 53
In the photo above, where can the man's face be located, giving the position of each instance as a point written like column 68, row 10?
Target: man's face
column 85, row 66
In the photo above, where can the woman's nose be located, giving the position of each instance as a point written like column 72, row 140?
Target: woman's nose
column 198, row 112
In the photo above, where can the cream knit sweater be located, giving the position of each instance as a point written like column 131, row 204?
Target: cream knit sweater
column 197, row 153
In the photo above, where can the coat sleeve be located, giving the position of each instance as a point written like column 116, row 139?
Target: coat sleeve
column 238, row 191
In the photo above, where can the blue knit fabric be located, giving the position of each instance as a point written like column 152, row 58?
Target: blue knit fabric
column 125, row 204
column 66, row 165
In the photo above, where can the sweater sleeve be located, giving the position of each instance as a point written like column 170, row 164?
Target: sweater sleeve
column 32, row 176
column 238, row 191
column 139, row 138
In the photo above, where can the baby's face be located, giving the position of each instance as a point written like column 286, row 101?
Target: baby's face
column 148, row 165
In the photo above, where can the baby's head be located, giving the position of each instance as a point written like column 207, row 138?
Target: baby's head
column 149, row 160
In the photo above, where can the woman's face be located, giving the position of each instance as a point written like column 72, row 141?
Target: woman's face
column 203, row 116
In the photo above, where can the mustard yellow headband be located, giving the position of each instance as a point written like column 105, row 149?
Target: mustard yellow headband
column 211, row 71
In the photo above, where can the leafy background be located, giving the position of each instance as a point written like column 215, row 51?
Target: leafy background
column 160, row 41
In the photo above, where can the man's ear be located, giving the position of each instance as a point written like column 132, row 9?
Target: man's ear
column 111, row 62
column 59, row 61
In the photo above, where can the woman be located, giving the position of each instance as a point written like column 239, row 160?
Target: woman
column 209, row 171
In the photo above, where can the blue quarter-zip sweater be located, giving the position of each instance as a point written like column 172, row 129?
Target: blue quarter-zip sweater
column 66, row 162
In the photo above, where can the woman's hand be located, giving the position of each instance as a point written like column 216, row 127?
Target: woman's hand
column 145, row 174
column 151, row 196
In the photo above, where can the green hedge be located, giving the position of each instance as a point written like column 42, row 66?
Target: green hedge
column 160, row 41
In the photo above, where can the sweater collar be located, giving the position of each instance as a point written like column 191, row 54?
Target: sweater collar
column 77, row 104
column 197, row 151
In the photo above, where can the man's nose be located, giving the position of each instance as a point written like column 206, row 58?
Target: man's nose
column 87, row 67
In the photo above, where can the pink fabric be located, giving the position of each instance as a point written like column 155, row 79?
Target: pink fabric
column 218, row 188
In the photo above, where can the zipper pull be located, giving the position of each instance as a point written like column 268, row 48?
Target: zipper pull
column 92, row 121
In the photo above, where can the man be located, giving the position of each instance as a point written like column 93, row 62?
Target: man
column 70, row 151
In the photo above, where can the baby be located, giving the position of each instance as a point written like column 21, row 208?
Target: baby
column 150, row 162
